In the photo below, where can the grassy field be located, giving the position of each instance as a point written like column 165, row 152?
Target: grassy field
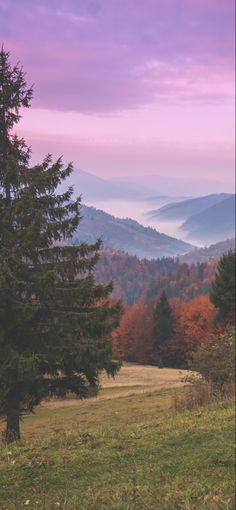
column 121, row 452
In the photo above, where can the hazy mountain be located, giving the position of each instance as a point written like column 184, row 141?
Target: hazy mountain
column 127, row 235
column 211, row 252
column 172, row 186
column 187, row 208
column 160, row 200
column 213, row 224
column 154, row 187
column 94, row 188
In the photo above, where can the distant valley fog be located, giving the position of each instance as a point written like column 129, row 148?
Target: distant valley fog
column 138, row 211
column 163, row 204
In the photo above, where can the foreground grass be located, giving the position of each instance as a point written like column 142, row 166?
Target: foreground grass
column 126, row 453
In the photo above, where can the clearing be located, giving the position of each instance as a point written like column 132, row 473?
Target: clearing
column 132, row 452
column 131, row 379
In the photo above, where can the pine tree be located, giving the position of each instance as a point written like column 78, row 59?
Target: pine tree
column 164, row 327
column 55, row 321
column 223, row 289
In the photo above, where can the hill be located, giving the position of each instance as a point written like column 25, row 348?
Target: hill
column 211, row 252
column 137, row 281
column 131, row 452
column 186, row 208
column 127, row 235
column 213, row 224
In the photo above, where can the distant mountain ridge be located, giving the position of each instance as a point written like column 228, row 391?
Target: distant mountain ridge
column 187, row 208
column 127, row 235
column 172, row 185
column 214, row 223
column 213, row 251
column 93, row 188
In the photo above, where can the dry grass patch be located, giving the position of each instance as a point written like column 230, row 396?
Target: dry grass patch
column 132, row 379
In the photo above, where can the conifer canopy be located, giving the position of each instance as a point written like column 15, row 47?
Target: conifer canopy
column 223, row 289
column 164, row 324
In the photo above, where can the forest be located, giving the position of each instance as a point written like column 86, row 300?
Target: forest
column 138, row 281
column 166, row 330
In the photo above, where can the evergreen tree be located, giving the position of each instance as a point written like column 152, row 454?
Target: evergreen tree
column 223, row 289
column 164, row 328
column 55, row 321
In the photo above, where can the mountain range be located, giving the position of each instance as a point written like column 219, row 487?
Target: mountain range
column 214, row 251
column 172, row 186
column 93, row 188
column 127, row 235
column 207, row 219
column 214, row 223
column 137, row 187
column 186, row 208
column 198, row 220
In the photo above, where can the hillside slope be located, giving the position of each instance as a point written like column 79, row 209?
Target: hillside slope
column 137, row 281
column 187, row 208
column 124, row 453
column 127, row 235
column 213, row 224
column 211, row 252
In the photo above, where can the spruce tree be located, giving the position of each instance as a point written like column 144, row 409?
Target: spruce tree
column 55, row 320
column 223, row 289
column 163, row 328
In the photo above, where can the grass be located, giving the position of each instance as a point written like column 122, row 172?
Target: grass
column 128, row 452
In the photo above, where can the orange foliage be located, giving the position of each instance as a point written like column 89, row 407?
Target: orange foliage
column 134, row 340
column 194, row 325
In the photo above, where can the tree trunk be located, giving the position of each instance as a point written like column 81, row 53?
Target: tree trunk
column 12, row 432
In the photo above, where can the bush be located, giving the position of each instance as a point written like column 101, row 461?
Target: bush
column 195, row 395
column 215, row 362
column 213, row 377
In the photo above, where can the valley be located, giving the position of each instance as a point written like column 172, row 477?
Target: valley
column 111, row 205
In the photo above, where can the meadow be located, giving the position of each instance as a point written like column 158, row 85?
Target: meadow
column 128, row 449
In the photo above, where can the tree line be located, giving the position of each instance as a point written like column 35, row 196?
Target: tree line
column 167, row 332
column 138, row 281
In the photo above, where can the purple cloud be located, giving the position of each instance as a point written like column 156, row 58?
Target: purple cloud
column 108, row 55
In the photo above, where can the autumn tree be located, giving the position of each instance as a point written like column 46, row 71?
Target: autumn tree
column 223, row 289
column 133, row 340
column 194, row 325
column 55, row 321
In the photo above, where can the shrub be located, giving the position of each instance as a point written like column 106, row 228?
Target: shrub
column 215, row 362
column 195, row 395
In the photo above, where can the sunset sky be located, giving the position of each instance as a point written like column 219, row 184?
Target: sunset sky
column 128, row 87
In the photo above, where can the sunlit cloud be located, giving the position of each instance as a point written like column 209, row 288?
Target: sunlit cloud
column 128, row 76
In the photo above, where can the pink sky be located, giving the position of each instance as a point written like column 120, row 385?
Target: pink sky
column 128, row 86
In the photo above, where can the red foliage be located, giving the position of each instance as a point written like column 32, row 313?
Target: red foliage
column 134, row 340
column 194, row 325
